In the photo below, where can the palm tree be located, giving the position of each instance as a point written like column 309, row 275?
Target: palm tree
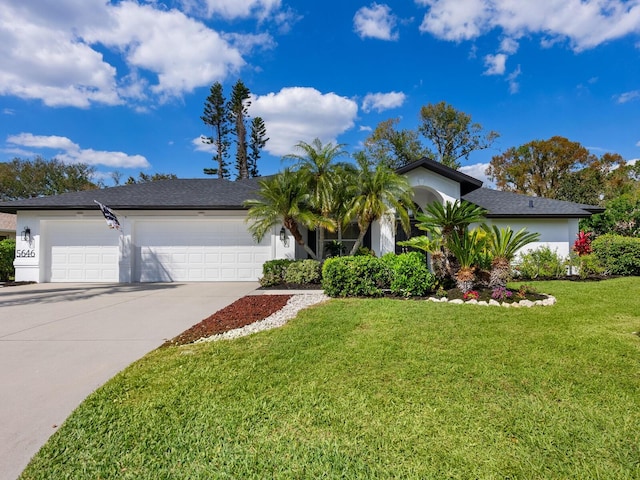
column 445, row 220
column 466, row 246
column 323, row 177
column 377, row 191
column 283, row 199
column 503, row 245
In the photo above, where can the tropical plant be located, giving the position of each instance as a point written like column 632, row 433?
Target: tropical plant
column 443, row 220
column 503, row 244
column 433, row 246
column 378, row 189
column 323, row 177
column 283, row 199
column 466, row 247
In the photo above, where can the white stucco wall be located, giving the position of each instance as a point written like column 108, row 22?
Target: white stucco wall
column 449, row 190
column 557, row 234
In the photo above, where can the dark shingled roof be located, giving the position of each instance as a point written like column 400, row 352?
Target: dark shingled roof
column 507, row 204
column 217, row 194
column 467, row 183
column 174, row 194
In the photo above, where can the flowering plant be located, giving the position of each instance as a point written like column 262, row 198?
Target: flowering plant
column 582, row 245
column 501, row 293
column 471, row 295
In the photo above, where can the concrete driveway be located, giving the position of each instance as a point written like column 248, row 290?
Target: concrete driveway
column 59, row 342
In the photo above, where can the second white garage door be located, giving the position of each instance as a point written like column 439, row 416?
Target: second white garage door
column 204, row 250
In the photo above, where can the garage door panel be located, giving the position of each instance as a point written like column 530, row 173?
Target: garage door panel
column 198, row 250
column 81, row 251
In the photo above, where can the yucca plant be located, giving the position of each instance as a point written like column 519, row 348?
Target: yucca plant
column 466, row 247
column 503, row 244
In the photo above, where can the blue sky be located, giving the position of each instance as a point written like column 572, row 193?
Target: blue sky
column 122, row 85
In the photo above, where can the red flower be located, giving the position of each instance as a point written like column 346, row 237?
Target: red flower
column 582, row 245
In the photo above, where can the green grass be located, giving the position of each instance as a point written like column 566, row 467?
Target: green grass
column 380, row 389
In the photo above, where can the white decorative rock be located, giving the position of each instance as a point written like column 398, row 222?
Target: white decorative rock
column 526, row 303
column 494, row 303
column 473, row 301
column 457, row 301
column 483, row 303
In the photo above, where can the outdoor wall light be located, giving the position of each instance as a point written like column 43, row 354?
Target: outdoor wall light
column 26, row 234
column 283, row 237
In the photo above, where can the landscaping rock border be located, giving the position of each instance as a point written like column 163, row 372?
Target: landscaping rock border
column 547, row 302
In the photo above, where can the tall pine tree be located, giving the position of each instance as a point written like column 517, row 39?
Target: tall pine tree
column 216, row 116
column 238, row 111
column 258, row 140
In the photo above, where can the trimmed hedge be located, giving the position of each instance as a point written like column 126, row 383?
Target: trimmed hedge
column 411, row 276
column 303, row 272
column 619, row 255
column 365, row 276
column 7, row 255
column 273, row 272
column 362, row 276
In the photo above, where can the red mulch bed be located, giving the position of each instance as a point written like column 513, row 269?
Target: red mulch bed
column 240, row 313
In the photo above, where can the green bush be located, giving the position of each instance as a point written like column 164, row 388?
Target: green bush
column 361, row 276
column 7, row 254
column 540, row 263
column 303, row 272
column 411, row 277
column 619, row 255
column 589, row 265
column 273, row 272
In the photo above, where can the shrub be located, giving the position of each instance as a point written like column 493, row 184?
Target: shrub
column 7, row 254
column 542, row 262
column 353, row 276
column 411, row 277
column 303, row 272
column 273, row 272
column 589, row 265
column 365, row 251
column 619, row 255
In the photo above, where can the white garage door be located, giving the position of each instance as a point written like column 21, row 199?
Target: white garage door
column 81, row 251
column 204, row 250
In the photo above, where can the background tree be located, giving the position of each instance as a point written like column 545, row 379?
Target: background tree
column 216, row 116
column 393, row 147
column 146, row 178
column 238, row 111
column 20, row 179
column 452, row 133
column 258, row 139
column 539, row 167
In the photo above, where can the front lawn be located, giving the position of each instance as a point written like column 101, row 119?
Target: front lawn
column 380, row 388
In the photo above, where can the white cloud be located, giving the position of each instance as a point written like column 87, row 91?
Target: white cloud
column 496, row 64
column 42, row 60
column 365, row 128
column 514, row 86
column 382, row 101
column 628, row 96
column 56, row 54
column 297, row 114
column 375, row 21
column 70, row 152
column 509, row 46
column 182, row 52
column 231, row 9
column 477, row 170
column 584, row 23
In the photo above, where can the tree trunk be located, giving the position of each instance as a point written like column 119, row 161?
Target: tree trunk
column 292, row 226
column 360, row 239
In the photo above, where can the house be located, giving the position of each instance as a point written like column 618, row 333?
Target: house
column 195, row 229
column 7, row 226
